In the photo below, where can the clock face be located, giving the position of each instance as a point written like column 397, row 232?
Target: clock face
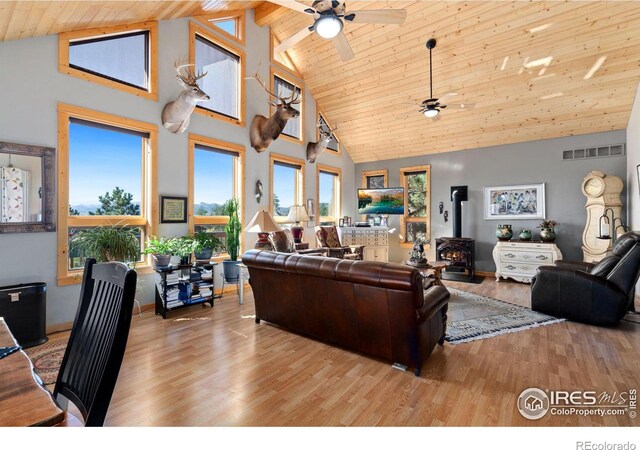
column 594, row 187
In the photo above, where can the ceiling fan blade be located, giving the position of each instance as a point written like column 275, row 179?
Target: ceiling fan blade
column 446, row 97
column 296, row 6
column 292, row 40
column 378, row 16
column 343, row 47
column 461, row 105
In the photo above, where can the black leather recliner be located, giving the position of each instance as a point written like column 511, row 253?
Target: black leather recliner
column 599, row 294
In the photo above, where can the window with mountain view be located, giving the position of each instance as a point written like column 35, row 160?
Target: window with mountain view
column 287, row 178
column 328, row 195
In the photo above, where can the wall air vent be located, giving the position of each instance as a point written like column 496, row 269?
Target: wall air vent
column 593, row 152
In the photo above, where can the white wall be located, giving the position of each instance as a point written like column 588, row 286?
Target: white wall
column 633, row 159
column 30, row 89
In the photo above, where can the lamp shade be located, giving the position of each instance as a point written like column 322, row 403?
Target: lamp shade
column 298, row 213
column 262, row 222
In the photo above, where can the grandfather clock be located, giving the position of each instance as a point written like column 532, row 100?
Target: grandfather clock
column 602, row 192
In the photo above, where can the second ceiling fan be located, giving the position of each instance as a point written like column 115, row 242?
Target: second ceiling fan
column 329, row 17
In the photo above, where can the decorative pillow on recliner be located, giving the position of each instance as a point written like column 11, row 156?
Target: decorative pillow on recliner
column 281, row 242
column 331, row 237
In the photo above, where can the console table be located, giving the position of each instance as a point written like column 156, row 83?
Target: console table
column 374, row 239
column 519, row 260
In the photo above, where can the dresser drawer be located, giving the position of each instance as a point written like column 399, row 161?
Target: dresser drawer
column 518, row 268
column 532, row 257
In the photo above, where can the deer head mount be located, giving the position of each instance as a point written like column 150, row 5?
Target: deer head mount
column 264, row 130
column 314, row 149
column 177, row 114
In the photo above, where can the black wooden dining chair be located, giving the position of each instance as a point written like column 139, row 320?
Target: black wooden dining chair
column 93, row 357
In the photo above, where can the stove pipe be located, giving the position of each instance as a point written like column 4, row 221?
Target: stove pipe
column 458, row 195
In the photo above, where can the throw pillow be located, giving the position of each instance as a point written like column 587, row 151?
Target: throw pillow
column 279, row 241
column 332, row 238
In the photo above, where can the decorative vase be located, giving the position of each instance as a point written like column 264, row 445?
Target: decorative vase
column 504, row 232
column 525, row 235
column 547, row 234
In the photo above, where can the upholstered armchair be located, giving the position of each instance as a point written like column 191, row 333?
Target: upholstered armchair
column 282, row 242
column 599, row 294
column 328, row 238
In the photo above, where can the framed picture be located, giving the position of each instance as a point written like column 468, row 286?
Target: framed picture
column 341, row 222
column 173, row 209
column 311, row 208
column 514, row 202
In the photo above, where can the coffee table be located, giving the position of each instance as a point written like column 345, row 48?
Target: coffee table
column 432, row 266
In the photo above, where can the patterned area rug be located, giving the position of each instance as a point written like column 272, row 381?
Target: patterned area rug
column 46, row 359
column 472, row 317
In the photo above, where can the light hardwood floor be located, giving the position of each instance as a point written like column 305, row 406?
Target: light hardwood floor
column 216, row 367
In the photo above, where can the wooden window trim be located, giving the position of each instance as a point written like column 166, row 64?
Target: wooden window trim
column 63, row 56
column 404, row 219
column 289, row 77
column 335, row 171
column 374, row 173
column 335, row 135
column 195, row 29
column 238, row 16
column 300, row 188
column 148, row 220
column 273, row 43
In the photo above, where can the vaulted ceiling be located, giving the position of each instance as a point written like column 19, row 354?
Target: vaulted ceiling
column 534, row 70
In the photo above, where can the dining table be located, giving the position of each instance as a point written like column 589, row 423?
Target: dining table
column 24, row 401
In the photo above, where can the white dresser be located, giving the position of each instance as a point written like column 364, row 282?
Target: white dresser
column 520, row 259
column 375, row 240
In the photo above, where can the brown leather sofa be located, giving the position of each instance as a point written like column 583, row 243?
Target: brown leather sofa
column 375, row 308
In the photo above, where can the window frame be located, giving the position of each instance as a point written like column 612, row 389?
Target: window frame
column 148, row 219
column 335, row 135
column 404, row 220
column 373, row 173
column 297, row 83
column 238, row 16
column 300, row 186
column 337, row 193
column 66, row 38
column 207, row 34
column 239, row 179
column 273, row 43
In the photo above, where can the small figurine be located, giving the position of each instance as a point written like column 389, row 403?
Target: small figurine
column 417, row 255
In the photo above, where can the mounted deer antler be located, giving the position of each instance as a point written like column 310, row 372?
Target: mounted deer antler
column 314, row 149
column 177, row 114
column 264, row 131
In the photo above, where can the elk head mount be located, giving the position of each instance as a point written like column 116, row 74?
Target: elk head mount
column 177, row 114
column 264, row 130
column 314, row 149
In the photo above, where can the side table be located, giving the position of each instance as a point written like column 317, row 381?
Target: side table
column 433, row 266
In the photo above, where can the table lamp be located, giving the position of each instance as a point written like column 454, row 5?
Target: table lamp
column 297, row 214
column 262, row 223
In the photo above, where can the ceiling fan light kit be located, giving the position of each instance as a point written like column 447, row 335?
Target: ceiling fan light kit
column 431, row 112
column 328, row 26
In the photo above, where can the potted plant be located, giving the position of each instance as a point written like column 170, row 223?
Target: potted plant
column 547, row 230
column 184, row 247
column 206, row 243
column 161, row 249
column 232, row 230
column 108, row 243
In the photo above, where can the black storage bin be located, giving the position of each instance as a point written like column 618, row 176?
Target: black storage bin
column 24, row 308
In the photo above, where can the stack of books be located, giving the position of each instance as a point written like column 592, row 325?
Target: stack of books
column 172, row 298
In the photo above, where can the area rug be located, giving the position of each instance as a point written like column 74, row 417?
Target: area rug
column 472, row 317
column 46, row 359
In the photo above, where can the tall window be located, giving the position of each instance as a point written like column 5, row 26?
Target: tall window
column 224, row 80
column 284, row 86
column 216, row 174
column 417, row 200
column 333, row 144
column 121, row 57
column 329, row 194
column 287, row 185
column 107, row 177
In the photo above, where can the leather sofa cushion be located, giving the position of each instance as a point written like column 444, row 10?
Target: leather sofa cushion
column 625, row 243
column 602, row 268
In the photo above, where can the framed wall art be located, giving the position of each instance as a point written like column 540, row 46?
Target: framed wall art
column 173, row 209
column 525, row 201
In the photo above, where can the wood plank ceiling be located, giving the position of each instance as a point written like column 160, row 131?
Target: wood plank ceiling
column 524, row 65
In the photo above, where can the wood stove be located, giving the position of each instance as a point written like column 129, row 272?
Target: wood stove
column 458, row 251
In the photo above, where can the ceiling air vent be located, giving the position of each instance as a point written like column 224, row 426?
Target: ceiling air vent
column 593, row 152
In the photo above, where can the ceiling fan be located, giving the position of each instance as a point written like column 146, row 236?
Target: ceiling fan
column 329, row 17
column 431, row 107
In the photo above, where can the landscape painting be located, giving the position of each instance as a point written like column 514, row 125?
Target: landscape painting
column 514, row 202
column 381, row 201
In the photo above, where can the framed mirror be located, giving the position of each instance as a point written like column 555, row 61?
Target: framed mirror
column 27, row 175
